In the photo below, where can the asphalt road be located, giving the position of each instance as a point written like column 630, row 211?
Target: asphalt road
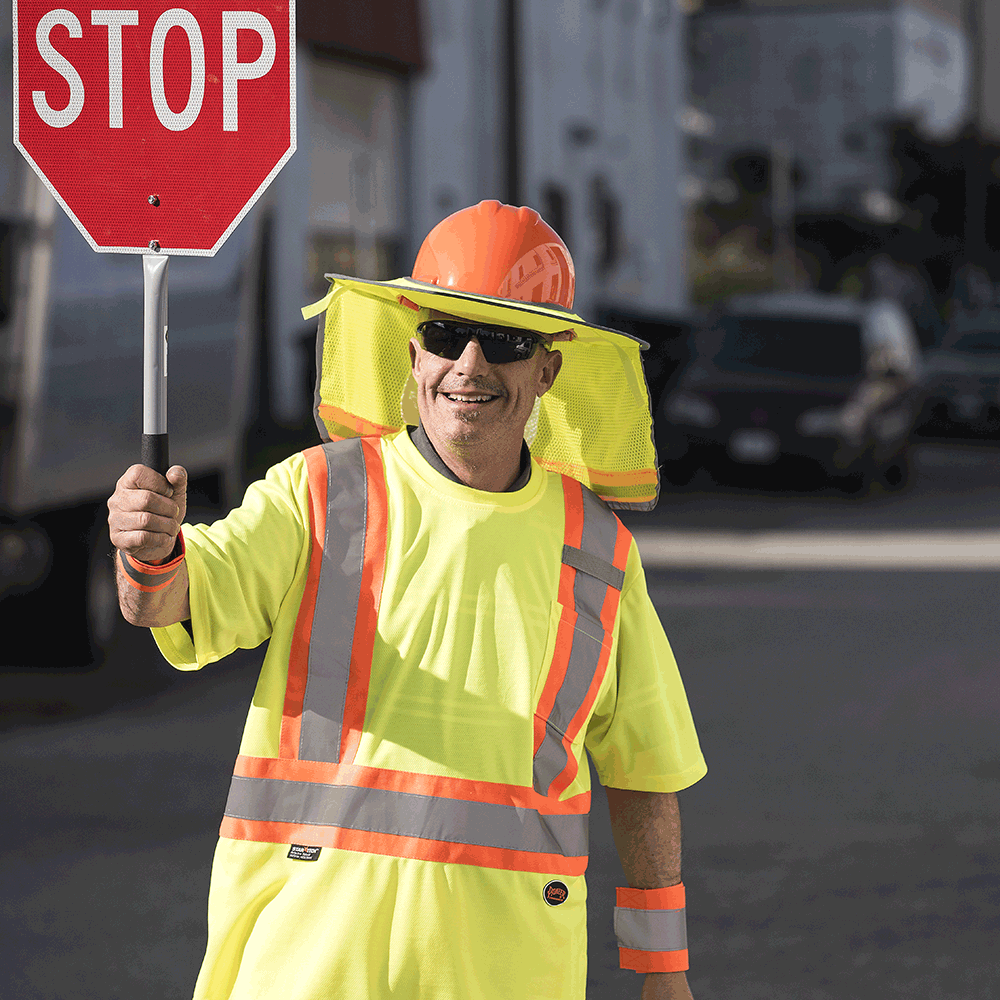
column 844, row 843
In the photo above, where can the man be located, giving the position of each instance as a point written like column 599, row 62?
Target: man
column 450, row 624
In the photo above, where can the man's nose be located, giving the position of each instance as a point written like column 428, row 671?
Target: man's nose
column 471, row 361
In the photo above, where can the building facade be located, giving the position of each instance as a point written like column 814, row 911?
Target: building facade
column 829, row 81
column 569, row 106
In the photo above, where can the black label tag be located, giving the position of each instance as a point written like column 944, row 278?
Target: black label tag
column 555, row 892
column 299, row 853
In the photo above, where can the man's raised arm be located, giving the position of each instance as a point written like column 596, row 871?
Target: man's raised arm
column 144, row 517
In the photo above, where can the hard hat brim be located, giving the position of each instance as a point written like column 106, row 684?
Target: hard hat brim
column 535, row 316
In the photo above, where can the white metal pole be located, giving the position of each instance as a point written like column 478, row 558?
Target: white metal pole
column 155, row 451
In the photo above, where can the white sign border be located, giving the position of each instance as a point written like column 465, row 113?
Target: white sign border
column 175, row 251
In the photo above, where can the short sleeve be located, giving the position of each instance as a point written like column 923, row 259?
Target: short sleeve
column 641, row 735
column 241, row 568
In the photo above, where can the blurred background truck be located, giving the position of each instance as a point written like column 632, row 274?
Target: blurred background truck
column 686, row 150
column 406, row 112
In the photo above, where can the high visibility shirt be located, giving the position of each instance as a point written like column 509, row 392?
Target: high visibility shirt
column 322, row 886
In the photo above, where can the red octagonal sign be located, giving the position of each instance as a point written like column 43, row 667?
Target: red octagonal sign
column 156, row 127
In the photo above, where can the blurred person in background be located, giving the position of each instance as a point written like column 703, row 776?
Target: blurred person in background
column 450, row 624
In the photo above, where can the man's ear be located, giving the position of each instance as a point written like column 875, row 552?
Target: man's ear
column 413, row 354
column 548, row 372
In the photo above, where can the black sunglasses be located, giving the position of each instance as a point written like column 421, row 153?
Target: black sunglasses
column 500, row 344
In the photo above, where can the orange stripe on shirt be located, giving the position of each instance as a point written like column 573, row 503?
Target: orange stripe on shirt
column 609, row 611
column 361, row 776
column 572, row 535
column 298, row 657
column 369, row 600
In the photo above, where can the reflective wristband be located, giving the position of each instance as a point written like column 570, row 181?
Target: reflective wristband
column 147, row 577
column 651, row 928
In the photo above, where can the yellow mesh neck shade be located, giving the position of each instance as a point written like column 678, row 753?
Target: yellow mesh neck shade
column 594, row 423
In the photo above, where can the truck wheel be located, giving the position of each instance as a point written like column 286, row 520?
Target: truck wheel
column 66, row 621
column 894, row 476
column 858, row 482
column 45, row 625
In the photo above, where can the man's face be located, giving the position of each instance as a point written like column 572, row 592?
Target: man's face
column 468, row 402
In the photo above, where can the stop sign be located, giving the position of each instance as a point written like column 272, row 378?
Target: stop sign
column 156, row 127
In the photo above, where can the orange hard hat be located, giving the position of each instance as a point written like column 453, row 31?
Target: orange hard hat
column 501, row 251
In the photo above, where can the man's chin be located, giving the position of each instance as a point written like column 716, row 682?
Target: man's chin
column 463, row 427
column 467, row 417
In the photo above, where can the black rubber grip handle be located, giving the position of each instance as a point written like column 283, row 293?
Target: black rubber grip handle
column 155, row 452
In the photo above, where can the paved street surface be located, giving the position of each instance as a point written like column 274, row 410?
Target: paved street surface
column 844, row 843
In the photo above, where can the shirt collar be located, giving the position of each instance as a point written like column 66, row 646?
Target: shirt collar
column 423, row 444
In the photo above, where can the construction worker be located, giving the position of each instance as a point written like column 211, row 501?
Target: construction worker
column 454, row 615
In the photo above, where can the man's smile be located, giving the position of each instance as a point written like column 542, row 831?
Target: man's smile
column 469, row 398
column 461, row 398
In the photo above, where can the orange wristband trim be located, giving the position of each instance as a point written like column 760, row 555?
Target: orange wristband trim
column 653, row 917
column 669, row 897
column 150, row 578
column 653, row 961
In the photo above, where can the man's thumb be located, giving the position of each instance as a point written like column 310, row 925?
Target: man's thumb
column 177, row 477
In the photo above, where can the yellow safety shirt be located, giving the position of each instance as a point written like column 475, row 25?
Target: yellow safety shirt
column 466, row 627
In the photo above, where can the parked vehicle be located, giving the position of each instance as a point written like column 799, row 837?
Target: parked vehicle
column 670, row 338
column 962, row 379
column 805, row 382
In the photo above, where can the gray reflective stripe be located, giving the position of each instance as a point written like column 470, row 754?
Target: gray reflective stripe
column 588, row 638
column 600, row 530
column 405, row 814
column 593, row 562
column 651, row 930
column 336, row 602
column 146, row 579
column 584, row 659
column 587, row 563
column 550, row 760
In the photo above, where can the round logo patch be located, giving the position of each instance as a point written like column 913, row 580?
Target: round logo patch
column 555, row 892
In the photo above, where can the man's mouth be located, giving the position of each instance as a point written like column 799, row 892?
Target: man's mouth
column 468, row 397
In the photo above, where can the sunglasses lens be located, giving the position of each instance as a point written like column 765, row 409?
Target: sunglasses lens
column 445, row 343
column 505, row 347
column 500, row 345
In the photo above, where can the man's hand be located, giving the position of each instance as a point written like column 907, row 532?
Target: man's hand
column 146, row 511
column 145, row 516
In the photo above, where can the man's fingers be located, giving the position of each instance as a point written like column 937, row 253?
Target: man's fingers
column 130, row 501
column 141, row 477
column 141, row 530
column 146, row 521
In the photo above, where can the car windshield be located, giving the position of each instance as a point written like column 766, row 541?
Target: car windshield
column 814, row 348
column 976, row 342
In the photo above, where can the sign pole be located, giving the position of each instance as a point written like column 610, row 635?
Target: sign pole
column 155, row 451
column 207, row 164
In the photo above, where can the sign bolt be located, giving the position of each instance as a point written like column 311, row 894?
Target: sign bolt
column 154, row 245
column 154, row 200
